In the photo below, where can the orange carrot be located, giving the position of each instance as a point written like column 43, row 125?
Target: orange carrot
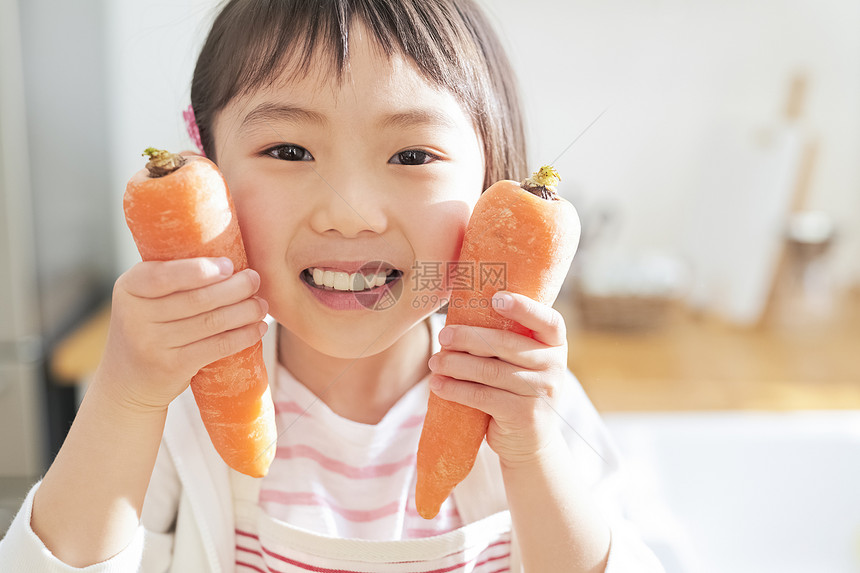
column 531, row 234
column 180, row 207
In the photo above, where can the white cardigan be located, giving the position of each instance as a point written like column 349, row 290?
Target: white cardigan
column 187, row 518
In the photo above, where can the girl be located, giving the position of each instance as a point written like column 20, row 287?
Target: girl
column 349, row 132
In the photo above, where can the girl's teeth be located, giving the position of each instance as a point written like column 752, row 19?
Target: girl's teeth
column 341, row 281
column 345, row 281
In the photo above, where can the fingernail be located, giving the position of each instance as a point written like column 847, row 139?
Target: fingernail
column 502, row 301
column 263, row 328
column 225, row 265
column 435, row 383
column 264, row 306
column 445, row 336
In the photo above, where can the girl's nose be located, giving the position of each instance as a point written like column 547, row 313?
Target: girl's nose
column 350, row 206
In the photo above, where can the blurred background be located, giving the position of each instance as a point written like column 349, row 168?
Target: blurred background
column 713, row 309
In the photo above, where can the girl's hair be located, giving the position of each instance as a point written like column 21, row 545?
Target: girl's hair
column 450, row 41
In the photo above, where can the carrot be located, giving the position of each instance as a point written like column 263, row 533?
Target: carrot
column 532, row 234
column 180, row 207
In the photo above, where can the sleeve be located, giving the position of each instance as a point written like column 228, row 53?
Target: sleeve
column 158, row 516
column 628, row 553
column 22, row 550
column 149, row 551
column 599, row 461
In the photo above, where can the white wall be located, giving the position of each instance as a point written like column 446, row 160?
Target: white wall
column 22, row 404
column 64, row 85
column 668, row 71
column 153, row 48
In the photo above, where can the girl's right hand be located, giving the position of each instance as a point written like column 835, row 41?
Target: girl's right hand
column 171, row 318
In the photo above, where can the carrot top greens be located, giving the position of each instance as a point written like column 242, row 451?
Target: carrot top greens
column 162, row 162
column 543, row 183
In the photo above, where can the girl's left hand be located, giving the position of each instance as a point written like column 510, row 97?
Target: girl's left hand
column 514, row 378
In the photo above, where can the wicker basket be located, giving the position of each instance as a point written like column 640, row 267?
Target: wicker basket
column 621, row 312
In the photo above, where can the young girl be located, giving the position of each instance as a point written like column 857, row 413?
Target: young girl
column 349, row 132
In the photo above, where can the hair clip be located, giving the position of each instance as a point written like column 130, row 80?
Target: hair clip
column 193, row 130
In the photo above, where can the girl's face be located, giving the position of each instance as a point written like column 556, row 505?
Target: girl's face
column 337, row 177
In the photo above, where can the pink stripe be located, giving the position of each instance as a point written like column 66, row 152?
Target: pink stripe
column 413, row 532
column 308, row 567
column 290, row 408
column 464, row 563
column 310, row 498
column 496, row 558
column 337, row 466
column 497, row 543
column 490, row 546
column 249, row 550
column 411, row 422
column 249, row 566
column 246, row 534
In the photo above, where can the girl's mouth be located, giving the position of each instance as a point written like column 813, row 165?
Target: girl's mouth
column 329, row 280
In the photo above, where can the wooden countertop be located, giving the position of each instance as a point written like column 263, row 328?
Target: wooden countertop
column 698, row 363
column 690, row 363
column 77, row 355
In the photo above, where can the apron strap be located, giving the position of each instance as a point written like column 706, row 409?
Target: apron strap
column 482, row 493
column 245, row 488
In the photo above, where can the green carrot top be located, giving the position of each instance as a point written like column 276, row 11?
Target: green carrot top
column 162, row 162
column 543, row 183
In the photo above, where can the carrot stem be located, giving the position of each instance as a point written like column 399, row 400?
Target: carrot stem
column 543, row 183
column 162, row 162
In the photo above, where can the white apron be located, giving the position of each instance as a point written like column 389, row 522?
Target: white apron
column 267, row 544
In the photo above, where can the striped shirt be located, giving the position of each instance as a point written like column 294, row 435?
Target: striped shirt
column 341, row 480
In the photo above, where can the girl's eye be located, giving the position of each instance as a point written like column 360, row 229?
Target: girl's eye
column 290, row 152
column 412, row 157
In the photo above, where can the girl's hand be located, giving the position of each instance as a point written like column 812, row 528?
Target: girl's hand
column 171, row 318
column 513, row 378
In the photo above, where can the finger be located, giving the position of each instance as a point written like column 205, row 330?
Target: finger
column 186, row 331
column 498, row 403
column 221, row 345
column 156, row 279
column 544, row 321
column 488, row 371
column 186, row 304
column 512, row 347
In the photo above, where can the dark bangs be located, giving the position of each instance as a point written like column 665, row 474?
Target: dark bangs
column 451, row 43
